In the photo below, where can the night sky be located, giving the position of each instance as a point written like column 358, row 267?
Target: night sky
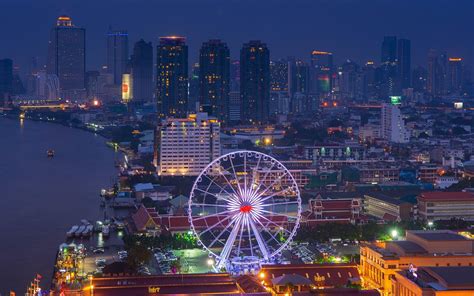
column 351, row 29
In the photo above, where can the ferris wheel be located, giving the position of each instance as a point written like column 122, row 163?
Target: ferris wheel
column 244, row 208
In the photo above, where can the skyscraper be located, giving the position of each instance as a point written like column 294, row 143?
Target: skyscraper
column 214, row 78
column 436, row 72
column 321, row 72
column 279, row 75
column 298, row 77
column 67, row 55
column 141, row 70
column 117, row 54
column 389, row 82
column 172, row 76
column 255, row 81
column 6, row 79
column 455, row 75
column 235, row 76
column 193, row 97
column 404, row 62
column 389, row 49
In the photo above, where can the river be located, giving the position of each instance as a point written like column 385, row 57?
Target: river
column 41, row 198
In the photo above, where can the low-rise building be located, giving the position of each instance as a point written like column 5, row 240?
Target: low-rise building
column 346, row 210
column 434, row 281
column 387, row 208
column 379, row 262
column 379, row 172
column 445, row 205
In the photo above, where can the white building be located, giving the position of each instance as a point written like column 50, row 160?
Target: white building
column 392, row 124
column 187, row 145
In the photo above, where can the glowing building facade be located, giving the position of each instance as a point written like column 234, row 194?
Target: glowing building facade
column 172, row 77
column 186, row 146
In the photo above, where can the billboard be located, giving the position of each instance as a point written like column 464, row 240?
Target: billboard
column 127, row 94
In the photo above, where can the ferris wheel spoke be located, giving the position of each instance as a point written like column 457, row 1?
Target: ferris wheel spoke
column 245, row 173
column 249, row 235
column 274, row 194
column 214, row 182
column 230, row 242
column 260, row 241
column 235, row 175
column 279, row 204
column 265, row 228
column 216, row 196
column 278, row 214
column 254, row 172
column 273, row 183
column 212, row 227
column 222, row 232
column 242, row 226
column 228, row 183
column 213, row 215
column 273, row 223
column 265, row 177
column 210, row 205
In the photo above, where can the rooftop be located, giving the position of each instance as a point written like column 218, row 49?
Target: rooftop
column 439, row 235
column 409, row 247
column 446, row 196
column 453, row 277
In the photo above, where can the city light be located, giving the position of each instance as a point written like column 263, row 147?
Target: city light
column 394, row 233
column 210, row 262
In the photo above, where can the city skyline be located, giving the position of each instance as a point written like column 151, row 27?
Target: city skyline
column 340, row 33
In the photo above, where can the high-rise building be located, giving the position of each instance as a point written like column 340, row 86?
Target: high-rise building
column 141, row 70
column 193, row 96
column 369, row 82
column 234, row 106
column 187, row 145
column 419, row 78
column 279, row 75
column 455, row 75
column 392, row 124
column 321, row 72
column 404, row 62
column 348, row 81
column 172, row 76
column 389, row 49
column 67, row 55
column 388, row 77
column 255, row 81
column 435, row 81
column 298, row 77
column 214, row 78
column 235, row 76
column 117, row 53
column 92, row 84
column 6, row 79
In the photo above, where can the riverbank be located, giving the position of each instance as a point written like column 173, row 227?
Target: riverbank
column 44, row 197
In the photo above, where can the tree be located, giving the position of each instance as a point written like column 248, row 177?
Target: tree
column 137, row 255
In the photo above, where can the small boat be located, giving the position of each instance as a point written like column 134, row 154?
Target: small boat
column 50, row 153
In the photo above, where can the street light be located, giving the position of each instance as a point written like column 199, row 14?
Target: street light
column 394, row 233
column 430, row 224
column 210, row 262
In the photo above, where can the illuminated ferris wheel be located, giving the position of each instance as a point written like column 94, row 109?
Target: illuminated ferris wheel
column 244, row 208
